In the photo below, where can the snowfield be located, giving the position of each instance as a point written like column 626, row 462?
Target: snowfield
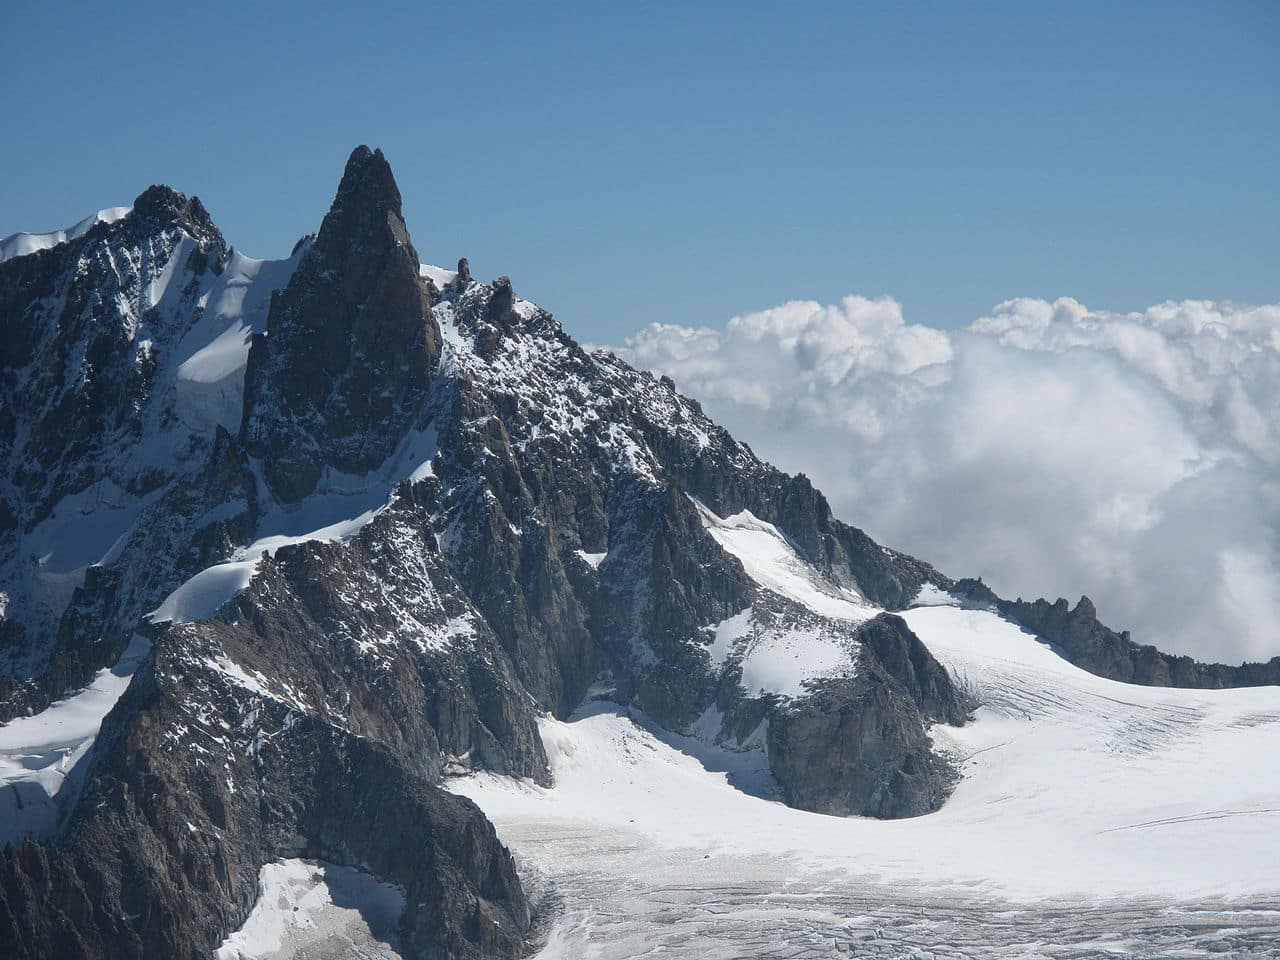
column 1113, row 814
column 772, row 561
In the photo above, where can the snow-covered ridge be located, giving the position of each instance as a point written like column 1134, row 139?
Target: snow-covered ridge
column 576, row 390
column 440, row 276
column 21, row 244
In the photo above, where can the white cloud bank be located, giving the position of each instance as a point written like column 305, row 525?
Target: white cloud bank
column 1052, row 449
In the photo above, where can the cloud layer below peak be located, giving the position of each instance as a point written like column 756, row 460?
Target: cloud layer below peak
column 1052, row 449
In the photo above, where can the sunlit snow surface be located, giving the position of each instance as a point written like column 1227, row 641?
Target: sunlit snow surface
column 772, row 561
column 22, row 244
column 318, row 911
column 779, row 655
column 1094, row 818
column 440, row 276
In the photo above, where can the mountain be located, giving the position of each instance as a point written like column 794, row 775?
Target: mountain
column 297, row 552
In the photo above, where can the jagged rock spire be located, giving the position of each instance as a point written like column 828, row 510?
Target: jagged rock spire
column 160, row 205
column 365, row 218
column 351, row 345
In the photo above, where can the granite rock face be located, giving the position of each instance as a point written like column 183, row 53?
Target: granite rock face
column 859, row 745
column 350, row 345
column 162, row 858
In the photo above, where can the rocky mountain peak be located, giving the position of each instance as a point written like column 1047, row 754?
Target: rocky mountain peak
column 160, row 207
column 367, row 184
column 365, row 225
column 351, row 345
column 454, row 541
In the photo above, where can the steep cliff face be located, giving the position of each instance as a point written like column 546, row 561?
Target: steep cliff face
column 350, row 346
column 860, row 744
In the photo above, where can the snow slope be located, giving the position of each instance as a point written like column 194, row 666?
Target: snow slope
column 779, row 653
column 208, row 372
column 39, row 755
column 440, row 276
column 772, row 561
column 1075, row 790
column 779, row 658
column 340, row 507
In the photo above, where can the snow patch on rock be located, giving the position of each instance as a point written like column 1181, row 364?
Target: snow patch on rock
column 772, row 561
column 314, row 909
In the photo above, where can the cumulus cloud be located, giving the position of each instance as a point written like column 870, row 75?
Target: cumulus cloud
column 1052, row 449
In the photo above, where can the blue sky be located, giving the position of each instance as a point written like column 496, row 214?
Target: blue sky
column 684, row 162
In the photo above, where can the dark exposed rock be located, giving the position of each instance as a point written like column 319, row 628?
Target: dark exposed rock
column 889, row 645
column 382, row 620
column 163, row 858
column 159, row 206
column 1090, row 645
column 859, row 745
column 663, row 539
column 464, row 272
column 350, row 347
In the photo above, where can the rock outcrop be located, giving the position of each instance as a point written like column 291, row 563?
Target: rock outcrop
column 859, row 745
column 162, row 859
column 1079, row 636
